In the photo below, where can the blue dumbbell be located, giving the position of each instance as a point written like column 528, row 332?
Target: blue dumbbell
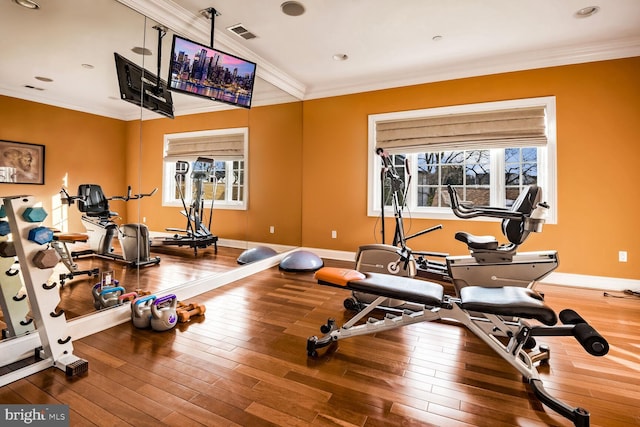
column 40, row 235
column 4, row 228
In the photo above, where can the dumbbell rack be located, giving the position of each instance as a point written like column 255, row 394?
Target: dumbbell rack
column 51, row 323
column 15, row 307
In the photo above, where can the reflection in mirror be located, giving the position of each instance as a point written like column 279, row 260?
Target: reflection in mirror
column 67, row 98
column 15, row 317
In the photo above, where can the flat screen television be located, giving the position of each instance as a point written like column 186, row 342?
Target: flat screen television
column 199, row 70
column 141, row 87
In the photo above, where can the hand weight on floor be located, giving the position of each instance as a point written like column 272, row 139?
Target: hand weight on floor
column 163, row 313
column 141, row 311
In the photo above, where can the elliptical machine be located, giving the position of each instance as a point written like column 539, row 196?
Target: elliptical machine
column 395, row 259
column 97, row 219
column 196, row 234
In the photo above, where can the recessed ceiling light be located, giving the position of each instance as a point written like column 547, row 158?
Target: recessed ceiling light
column 587, row 11
column 87, row 66
column 44, row 79
column 292, row 8
column 340, row 57
column 436, row 38
column 29, row 4
column 141, row 51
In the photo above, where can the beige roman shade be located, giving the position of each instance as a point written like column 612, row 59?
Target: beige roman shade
column 465, row 131
column 220, row 147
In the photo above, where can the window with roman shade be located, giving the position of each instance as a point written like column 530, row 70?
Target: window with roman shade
column 221, row 146
column 450, row 132
column 229, row 150
column 476, row 146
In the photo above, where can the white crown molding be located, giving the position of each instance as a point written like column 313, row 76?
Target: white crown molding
column 194, row 27
column 615, row 49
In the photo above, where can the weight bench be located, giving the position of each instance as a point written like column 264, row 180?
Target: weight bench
column 505, row 318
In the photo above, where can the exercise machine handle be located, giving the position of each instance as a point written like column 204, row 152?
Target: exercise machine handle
column 467, row 210
column 425, row 231
column 129, row 196
column 66, row 198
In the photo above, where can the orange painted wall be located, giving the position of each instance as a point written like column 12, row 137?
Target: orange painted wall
column 79, row 148
column 308, row 163
column 274, row 172
column 598, row 131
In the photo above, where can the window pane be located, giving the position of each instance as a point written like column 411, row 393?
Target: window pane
column 511, row 155
column 530, row 154
column 179, row 170
column 530, row 174
column 512, row 174
column 218, row 180
column 477, row 167
column 452, row 175
column 452, row 157
column 395, row 180
column 238, row 180
column 427, row 196
column 478, row 196
column 427, row 169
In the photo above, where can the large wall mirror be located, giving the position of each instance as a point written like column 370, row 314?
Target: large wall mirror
column 59, row 89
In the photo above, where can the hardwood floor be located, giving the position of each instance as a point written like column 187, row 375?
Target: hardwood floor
column 244, row 363
column 177, row 265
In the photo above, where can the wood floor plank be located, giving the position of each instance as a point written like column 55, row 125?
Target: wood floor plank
column 244, row 363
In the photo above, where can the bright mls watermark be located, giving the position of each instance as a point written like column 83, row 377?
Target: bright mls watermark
column 34, row 415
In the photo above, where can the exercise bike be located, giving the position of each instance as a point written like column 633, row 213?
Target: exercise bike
column 196, row 234
column 490, row 264
column 101, row 229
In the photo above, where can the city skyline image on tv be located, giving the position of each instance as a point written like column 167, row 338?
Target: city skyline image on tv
column 200, row 70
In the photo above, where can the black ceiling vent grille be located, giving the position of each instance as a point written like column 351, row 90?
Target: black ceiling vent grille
column 241, row 31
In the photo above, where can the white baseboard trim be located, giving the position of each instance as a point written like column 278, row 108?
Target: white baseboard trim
column 332, row 254
column 591, row 282
column 555, row 278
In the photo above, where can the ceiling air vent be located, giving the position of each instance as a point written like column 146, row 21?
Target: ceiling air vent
column 241, row 31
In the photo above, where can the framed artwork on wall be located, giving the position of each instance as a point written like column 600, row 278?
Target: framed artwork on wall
column 21, row 163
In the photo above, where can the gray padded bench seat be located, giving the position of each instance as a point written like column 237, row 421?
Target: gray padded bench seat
column 507, row 301
column 402, row 288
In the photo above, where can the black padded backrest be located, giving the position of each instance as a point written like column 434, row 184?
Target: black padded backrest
column 92, row 200
column 513, row 229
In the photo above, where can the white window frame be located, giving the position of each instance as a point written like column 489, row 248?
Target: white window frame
column 168, row 176
column 547, row 158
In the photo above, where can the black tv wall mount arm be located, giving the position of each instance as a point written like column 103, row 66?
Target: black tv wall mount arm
column 211, row 13
column 162, row 31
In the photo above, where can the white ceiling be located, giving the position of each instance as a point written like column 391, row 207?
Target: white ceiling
column 389, row 44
